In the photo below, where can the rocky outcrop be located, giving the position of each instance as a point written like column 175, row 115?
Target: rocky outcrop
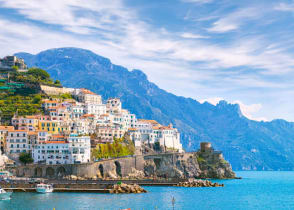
column 199, row 183
column 212, row 163
column 136, row 174
column 127, row 188
column 172, row 166
column 205, row 163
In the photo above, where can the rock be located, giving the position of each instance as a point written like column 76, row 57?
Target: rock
column 73, row 177
column 112, row 175
column 136, row 174
column 199, row 183
column 125, row 188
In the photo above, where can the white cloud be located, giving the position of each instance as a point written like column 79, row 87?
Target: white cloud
column 213, row 101
column 188, row 35
column 234, row 20
column 249, row 111
column 122, row 30
column 198, row 1
column 285, row 7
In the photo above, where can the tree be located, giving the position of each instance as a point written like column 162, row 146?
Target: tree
column 39, row 73
column 37, row 99
column 57, row 82
column 25, row 158
column 15, row 68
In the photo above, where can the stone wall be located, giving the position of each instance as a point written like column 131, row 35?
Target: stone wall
column 55, row 90
column 120, row 167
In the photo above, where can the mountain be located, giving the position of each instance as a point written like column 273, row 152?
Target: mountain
column 246, row 144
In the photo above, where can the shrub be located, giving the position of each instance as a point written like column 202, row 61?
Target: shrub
column 39, row 73
column 26, row 158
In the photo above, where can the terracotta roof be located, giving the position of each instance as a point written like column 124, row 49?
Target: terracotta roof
column 32, row 117
column 32, row 133
column 85, row 91
column 104, row 115
column 50, row 102
column 55, row 142
column 9, row 128
column 162, row 128
column 148, row 121
column 57, row 136
column 88, row 115
column 19, row 131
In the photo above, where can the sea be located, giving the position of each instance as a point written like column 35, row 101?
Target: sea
column 256, row 190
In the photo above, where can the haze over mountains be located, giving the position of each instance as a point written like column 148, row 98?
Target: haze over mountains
column 247, row 144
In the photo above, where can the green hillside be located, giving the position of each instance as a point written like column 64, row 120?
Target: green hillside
column 20, row 92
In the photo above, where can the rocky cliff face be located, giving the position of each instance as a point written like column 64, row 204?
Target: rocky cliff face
column 205, row 163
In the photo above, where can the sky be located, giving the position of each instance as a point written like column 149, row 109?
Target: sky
column 210, row 50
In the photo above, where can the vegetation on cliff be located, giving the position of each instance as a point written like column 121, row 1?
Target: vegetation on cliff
column 34, row 75
column 21, row 93
column 120, row 147
column 23, row 105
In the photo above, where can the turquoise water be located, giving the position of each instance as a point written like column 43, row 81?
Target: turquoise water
column 257, row 190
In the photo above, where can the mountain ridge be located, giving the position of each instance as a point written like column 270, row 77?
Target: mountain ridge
column 247, row 144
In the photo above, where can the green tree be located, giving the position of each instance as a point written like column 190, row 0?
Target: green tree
column 57, row 82
column 37, row 99
column 25, row 158
column 15, row 68
column 39, row 73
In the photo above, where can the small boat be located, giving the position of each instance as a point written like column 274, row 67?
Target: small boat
column 44, row 188
column 5, row 195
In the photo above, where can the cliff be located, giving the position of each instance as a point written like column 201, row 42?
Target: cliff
column 205, row 163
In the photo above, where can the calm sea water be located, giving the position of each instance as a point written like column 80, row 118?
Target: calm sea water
column 257, row 190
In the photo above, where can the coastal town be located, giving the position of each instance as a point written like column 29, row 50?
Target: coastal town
column 70, row 127
column 59, row 133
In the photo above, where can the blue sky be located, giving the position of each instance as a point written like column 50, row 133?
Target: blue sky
column 240, row 51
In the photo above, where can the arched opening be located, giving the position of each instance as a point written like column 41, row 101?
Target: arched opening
column 50, row 172
column 101, row 170
column 117, row 168
column 38, row 172
column 157, row 162
column 26, row 172
column 61, row 172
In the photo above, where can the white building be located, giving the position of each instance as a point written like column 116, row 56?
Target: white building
column 166, row 136
column 79, row 148
column 113, row 105
column 17, row 142
column 135, row 136
column 76, row 111
column 87, row 96
column 76, row 150
column 52, row 152
column 95, row 109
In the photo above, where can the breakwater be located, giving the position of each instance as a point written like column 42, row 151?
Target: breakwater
column 101, row 186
